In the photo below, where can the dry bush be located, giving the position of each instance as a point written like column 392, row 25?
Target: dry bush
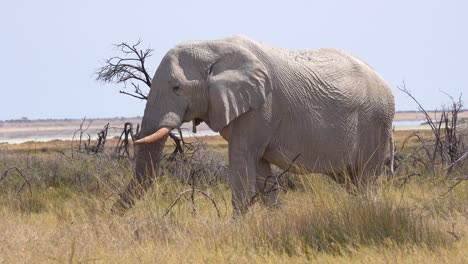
column 199, row 165
column 98, row 174
column 444, row 151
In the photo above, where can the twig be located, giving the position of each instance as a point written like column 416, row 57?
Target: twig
column 80, row 129
column 454, row 234
column 275, row 185
column 464, row 156
column 408, row 177
column 465, row 178
column 192, row 190
column 26, row 181
column 122, row 149
column 142, row 97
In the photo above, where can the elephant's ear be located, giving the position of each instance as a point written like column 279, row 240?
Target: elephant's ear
column 238, row 82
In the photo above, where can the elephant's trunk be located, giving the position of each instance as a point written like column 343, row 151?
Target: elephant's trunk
column 147, row 161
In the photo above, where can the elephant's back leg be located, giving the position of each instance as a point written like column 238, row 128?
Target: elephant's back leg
column 373, row 144
column 266, row 184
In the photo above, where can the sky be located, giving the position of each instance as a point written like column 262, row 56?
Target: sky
column 51, row 49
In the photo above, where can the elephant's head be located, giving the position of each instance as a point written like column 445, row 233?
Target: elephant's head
column 213, row 81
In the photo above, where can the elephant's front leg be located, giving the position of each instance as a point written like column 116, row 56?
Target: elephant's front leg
column 247, row 142
column 242, row 175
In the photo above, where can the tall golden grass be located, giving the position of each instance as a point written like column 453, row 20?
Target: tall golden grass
column 67, row 218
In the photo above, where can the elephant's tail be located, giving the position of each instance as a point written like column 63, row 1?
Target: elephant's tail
column 392, row 151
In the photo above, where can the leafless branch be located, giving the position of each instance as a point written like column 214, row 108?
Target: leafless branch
column 26, row 181
column 128, row 68
column 192, row 191
column 435, row 129
column 462, row 158
column 123, row 145
column 274, row 186
column 142, row 97
column 81, row 130
column 447, row 148
column 137, row 93
column 101, row 141
column 465, row 178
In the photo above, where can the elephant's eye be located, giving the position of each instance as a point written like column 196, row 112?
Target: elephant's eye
column 176, row 89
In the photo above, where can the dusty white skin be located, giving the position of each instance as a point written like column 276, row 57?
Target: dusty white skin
column 270, row 104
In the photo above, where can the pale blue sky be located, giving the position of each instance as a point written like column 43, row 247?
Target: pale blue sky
column 50, row 49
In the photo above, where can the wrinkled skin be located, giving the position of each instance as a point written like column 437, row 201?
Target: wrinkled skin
column 270, row 104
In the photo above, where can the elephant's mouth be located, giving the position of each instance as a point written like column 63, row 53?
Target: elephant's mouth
column 195, row 123
column 159, row 134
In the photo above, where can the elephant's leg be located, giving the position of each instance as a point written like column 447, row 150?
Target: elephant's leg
column 373, row 156
column 345, row 176
column 247, row 142
column 242, row 174
column 364, row 173
column 267, row 184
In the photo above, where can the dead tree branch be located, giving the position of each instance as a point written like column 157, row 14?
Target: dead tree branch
column 26, row 181
column 101, row 141
column 123, row 145
column 192, row 191
column 274, row 186
column 460, row 180
column 129, row 68
column 194, row 167
column 81, row 130
column 447, row 150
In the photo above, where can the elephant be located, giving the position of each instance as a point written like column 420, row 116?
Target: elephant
column 325, row 108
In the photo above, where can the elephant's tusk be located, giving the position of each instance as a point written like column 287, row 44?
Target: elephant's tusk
column 162, row 132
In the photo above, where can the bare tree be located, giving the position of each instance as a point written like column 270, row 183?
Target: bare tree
column 128, row 69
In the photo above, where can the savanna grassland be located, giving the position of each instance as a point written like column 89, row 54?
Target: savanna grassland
column 56, row 208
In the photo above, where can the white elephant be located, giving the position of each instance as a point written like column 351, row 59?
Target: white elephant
column 271, row 105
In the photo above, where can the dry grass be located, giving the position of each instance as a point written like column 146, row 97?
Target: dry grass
column 67, row 219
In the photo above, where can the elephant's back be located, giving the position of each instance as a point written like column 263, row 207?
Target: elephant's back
column 359, row 84
column 332, row 80
column 341, row 70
